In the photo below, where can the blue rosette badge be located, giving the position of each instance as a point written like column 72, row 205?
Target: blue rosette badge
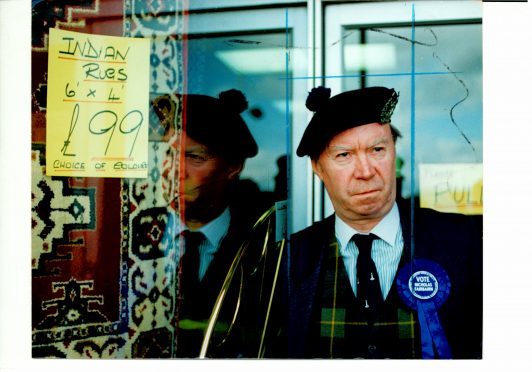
column 424, row 286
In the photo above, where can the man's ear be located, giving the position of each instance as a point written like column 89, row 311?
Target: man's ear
column 234, row 170
column 316, row 167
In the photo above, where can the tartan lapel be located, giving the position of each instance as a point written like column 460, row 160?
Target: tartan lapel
column 304, row 281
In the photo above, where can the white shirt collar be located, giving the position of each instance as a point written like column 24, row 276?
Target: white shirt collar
column 386, row 229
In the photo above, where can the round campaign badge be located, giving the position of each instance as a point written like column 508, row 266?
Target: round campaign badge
column 424, row 286
column 423, row 280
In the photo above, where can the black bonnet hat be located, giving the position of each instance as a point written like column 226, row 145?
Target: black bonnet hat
column 217, row 124
column 344, row 111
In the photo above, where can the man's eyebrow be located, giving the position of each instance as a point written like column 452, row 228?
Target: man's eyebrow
column 380, row 141
column 339, row 147
column 196, row 149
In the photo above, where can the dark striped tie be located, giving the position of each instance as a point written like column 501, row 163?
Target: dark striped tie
column 368, row 286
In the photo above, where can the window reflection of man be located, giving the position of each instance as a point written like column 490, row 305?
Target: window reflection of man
column 216, row 143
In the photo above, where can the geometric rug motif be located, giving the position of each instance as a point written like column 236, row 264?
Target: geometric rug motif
column 148, row 290
column 51, row 13
column 103, row 249
column 56, row 210
column 160, row 21
column 78, row 275
column 152, row 256
column 73, row 326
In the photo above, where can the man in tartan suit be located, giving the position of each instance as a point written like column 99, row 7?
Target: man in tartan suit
column 344, row 303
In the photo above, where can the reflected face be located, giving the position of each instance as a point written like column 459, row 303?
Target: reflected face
column 358, row 170
column 206, row 176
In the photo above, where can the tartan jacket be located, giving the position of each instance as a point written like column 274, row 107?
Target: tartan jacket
column 453, row 241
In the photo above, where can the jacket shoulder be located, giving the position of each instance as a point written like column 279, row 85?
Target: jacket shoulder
column 318, row 231
column 307, row 247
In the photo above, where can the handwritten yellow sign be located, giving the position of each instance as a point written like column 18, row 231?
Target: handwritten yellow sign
column 97, row 105
column 451, row 188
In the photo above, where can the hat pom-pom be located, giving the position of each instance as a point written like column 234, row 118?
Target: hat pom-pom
column 317, row 98
column 234, row 100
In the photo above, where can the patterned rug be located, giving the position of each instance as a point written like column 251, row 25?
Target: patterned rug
column 103, row 257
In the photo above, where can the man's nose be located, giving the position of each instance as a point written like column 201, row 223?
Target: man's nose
column 363, row 168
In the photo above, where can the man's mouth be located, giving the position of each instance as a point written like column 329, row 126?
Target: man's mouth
column 367, row 192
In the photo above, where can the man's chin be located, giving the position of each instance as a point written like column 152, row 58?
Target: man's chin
column 366, row 201
column 370, row 208
column 189, row 196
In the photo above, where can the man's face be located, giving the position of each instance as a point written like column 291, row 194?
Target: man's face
column 358, row 170
column 206, row 176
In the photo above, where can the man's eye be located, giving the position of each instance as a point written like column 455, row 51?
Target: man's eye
column 378, row 149
column 196, row 157
column 342, row 155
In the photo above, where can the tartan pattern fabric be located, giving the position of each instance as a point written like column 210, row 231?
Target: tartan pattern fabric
column 341, row 325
